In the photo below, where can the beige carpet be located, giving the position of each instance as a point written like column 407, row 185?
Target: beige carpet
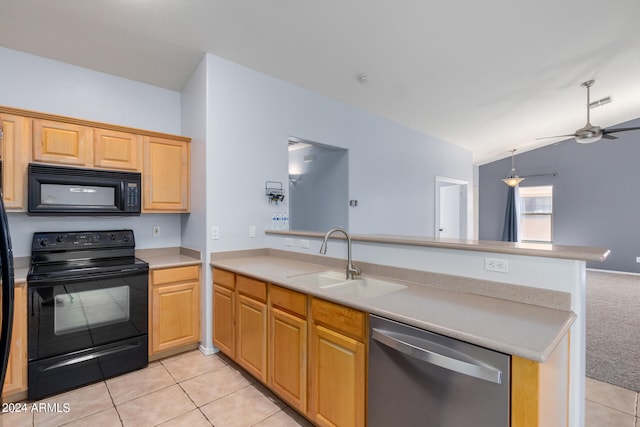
column 613, row 328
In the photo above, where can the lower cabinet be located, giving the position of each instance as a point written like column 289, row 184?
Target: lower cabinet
column 15, row 383
column 174, row 309
column 287, row 348
column 251, row 326
column 337, row 365
column 224, row 303
column 309, row 351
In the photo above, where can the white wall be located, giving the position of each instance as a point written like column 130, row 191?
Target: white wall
column 194, row 225
column 247, row 121
column 39, row 84
column 250, row 115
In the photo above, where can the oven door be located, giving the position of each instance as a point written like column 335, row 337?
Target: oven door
column 81, row 313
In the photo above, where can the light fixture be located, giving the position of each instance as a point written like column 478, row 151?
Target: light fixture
column 363, row 78
column 513, row 179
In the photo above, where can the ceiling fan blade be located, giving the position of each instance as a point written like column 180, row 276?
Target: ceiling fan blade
column 608, row 131
column 607, row 136
column 557, row 136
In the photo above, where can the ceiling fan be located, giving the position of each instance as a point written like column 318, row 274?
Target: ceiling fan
column 589, row 133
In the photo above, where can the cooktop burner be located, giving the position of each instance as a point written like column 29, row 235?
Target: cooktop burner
column 81, row 254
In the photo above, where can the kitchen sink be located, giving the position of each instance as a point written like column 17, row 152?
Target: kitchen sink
column 320, row 278
column 336, row 282
column 364, row 287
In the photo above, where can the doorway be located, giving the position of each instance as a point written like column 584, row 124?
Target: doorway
column 451, row 208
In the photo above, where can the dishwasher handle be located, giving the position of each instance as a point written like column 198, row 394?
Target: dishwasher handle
column 477, row 369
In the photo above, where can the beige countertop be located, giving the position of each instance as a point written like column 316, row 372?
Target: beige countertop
column 546, row 250
column 168, row 257
column 157, row 258
column 522, row 329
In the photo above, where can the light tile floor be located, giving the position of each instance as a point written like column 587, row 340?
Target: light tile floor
column 185, row 390
column 196, row 390
column 610, row 406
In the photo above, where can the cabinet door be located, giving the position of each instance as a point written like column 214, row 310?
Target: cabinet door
column 166, row 175
column 175, row 316
column 14, row 158
column 288, row 357
column 223, row 316
column 251, row 334
column 116, row 150
column 16, row 377
column 337, row 383
column 64, row 143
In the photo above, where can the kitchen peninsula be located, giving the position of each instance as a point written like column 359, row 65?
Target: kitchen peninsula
column 525, row 311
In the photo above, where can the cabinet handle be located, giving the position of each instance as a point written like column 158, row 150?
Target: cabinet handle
column 476, row 369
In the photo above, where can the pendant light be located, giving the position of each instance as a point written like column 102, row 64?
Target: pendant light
column 513, row 179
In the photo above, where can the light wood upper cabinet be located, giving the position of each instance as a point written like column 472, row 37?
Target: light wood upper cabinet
column 117, row 150
column 15, row 383
column 337, row 366
column 14, row 154
column 62, row 143
column 166, row 175
column 174, row 308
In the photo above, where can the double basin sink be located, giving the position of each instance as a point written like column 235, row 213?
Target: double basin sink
column 337, row 283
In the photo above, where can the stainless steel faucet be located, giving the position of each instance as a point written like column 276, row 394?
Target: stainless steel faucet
column 352, row 270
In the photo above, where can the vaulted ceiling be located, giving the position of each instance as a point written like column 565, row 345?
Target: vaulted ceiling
column 486, row 75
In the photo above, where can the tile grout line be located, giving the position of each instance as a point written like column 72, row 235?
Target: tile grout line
column 114, row 403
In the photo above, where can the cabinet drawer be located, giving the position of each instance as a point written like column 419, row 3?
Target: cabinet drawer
column 224, row 278
column 173, row 275
column 252, row 287
column 338, row 317
column 288, row 300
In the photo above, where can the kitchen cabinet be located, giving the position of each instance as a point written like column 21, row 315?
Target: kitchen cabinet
column 14, row 153
column 251, row 326
column 15, row 384
column 62, row 143
column 539, row 390
column 166, row 175
column 77, row 145
column 174, row 309
column 224, row 298
column 287, row 348
column 337, row 365
column 117, row 150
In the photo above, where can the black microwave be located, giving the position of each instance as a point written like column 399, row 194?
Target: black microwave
column 59, row 190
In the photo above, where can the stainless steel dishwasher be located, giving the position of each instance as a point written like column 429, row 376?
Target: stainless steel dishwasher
column 418, row 378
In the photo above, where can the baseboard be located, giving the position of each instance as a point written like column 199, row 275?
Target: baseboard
column 628, row 273
column 208, row 351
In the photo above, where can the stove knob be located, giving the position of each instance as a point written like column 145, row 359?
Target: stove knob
column 59, row 239
column 125, row 238
column 44, row 242
column 112, row 236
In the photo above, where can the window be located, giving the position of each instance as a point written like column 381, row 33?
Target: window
column 536, row 212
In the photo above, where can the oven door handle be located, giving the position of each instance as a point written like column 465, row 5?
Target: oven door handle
column 473, row 368
column 91, row 356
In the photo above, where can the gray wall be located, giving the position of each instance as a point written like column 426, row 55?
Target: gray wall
column 596, row 197
column 319, row 200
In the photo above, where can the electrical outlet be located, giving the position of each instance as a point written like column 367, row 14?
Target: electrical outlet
column 496, row 264
column 304, row 244
column 288, row 242
column 215, row 232
column 252, row 231
column 156, row 231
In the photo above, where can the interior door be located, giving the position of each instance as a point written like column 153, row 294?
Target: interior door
column 451, row 208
